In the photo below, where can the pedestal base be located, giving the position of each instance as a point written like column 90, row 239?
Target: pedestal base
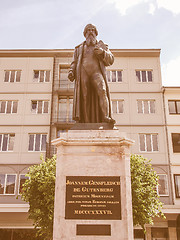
column 93, row 186
column 92, row 126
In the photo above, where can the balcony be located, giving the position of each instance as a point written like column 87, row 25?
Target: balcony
column 63, row 122
column 64, row 86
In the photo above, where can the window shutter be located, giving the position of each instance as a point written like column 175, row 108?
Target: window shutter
column 18, row 76
column 119, row 73
column 149, row 76
column 47, row 76
column 138, row 76
column 12, row 76
column 6, row 79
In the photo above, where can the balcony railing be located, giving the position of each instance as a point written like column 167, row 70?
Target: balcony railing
column 63, row 84
column 63, row 119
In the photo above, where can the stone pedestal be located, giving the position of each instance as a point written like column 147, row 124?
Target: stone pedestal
column 93, row 186
column 148, row 233
column 172, row 233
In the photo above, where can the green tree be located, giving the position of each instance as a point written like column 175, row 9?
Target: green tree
column 39, row 191
column 145, row 200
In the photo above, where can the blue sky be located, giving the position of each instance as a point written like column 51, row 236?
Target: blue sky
column 129, row 24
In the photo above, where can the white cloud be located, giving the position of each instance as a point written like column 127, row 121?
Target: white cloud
column 152, row 8
column 124, row 5
column 170, row 73
column 171, row 5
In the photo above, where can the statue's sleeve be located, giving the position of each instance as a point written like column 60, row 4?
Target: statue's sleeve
column 108, row 58
column 74, row 63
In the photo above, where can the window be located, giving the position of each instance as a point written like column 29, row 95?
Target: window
column 22, row 179
column 177, row 185
column 114, row 76
column 174, row 106
column 117, row 106
column 176, row 142
column 8, row 106
column 39, row 106
column 64, row 82
column 6, row 142
column 37, row 142
column 65, row 110
column 7, row 183
column 12, row 76
column 41, row 76
column 144, row 76
column 148, row 142
column 162, row 188
column 146, row 106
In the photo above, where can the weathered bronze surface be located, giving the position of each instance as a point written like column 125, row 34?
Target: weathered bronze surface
column 88, row 69
column 93, row 197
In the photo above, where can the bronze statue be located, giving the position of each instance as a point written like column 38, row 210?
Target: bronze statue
column 91, row 94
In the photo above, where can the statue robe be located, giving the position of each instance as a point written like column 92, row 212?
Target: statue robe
column 95, row 112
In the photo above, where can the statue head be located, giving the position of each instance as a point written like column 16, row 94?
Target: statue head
column 90, row 33
column 88, row 27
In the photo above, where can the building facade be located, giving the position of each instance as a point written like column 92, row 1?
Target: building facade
column 172, row 106
column 36, row 106
column 25, row 109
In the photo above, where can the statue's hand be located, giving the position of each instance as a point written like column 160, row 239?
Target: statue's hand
column 98, row 51
column 71, row 76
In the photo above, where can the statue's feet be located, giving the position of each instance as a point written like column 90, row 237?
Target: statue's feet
column 109, row 120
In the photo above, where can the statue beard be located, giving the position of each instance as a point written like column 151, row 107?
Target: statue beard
column 91, row 40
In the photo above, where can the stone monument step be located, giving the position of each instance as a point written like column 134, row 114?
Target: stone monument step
column 93, row 126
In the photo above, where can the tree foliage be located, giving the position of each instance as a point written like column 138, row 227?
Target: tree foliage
column 145, row 200
column 39, row 191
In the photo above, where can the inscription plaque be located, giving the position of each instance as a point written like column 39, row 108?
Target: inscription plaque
column 93, row 230
column 93, row 197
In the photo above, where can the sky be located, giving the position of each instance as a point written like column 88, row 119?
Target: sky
column 122, row 24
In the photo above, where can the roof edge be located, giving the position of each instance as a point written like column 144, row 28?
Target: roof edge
column 69, row 52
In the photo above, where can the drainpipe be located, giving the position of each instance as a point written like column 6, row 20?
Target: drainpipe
column 166, row 133
column 52, row 103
